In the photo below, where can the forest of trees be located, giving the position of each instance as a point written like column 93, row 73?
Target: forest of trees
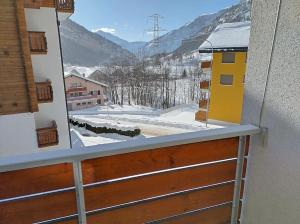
column 150, row 83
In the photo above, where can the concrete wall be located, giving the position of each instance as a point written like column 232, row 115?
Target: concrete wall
column 49, row 66
column 18, row 135
column 273, row 182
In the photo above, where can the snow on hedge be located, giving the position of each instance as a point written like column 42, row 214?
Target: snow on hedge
column 99, row 122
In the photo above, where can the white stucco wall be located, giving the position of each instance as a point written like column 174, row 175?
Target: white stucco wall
column 18, row 135
column 273, row 179
column 49, row 66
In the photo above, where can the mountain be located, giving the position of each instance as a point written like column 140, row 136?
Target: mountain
column 133, row 47
column 172, row 40
column 84, row 48
column 189, row 37
column 237, row 13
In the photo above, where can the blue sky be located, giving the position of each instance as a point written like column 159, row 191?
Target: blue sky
column 129, row 20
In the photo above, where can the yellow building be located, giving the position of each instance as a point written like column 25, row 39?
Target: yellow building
column 229, row 44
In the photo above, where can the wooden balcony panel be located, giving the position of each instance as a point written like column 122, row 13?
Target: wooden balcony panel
column 203, row 104
column 47, row 136
column 206, row 64
column 204, row 84
column 217, row 215
column 76, row 89
column 167, row 206
column 190, row 182
column 135, row 189
column 65, row 6
column 38, row 43
column 38, row 209
column 35, row 180
column 44, row 92
column 158, row 159
column 201, row 116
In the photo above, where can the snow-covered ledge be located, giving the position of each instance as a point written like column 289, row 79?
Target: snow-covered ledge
column 71, row 155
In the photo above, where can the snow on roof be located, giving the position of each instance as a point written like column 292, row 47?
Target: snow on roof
column 87, row 79
column 229, row 35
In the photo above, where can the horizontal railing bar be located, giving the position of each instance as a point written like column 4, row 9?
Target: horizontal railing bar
column 188, row 213
column 35, row 195
column 101, row 183
column 68, row 156
column 155, row 198
column 60, row 219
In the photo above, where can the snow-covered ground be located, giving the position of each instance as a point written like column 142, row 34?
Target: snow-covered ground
column 152, row 122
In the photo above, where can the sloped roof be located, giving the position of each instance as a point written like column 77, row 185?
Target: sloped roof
column 87, row 79
column 229, row 37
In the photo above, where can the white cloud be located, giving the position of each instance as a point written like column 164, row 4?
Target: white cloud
column 150, row 33
column 105, row 29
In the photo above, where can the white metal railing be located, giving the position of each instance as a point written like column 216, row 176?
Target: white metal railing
column 75, row 156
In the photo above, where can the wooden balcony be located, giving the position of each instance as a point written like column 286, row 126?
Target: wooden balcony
column 187, row 178
column 47, row 136
column 76, row 89
column 65, row 6
column 38, row 43
column 204, row 84
column 203, row 104
column 44, row 92
column 206, row 64
column 201, row 116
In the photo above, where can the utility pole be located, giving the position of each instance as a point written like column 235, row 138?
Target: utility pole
column 156, row 30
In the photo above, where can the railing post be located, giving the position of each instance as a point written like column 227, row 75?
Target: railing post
column 238, row 180
column 79, row 192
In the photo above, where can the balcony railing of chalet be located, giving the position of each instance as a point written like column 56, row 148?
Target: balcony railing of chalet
column 65, row 6
column 38, row 42
column 44, row 92
column 77, row 89
column 47, row 136
column 187, row 178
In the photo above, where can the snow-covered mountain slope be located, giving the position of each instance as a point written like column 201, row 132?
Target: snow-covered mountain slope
column 133, row 47
column 172, row 40
column 237, row 13
column 82, row 47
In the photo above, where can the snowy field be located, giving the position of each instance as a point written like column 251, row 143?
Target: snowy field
column 152, row 122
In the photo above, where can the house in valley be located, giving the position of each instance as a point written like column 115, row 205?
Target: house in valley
column 83, row 93
column 224, row 100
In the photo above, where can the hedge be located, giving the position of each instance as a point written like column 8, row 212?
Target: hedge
column 101, row 130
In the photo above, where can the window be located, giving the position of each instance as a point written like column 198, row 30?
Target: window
column 99, row 92
column 92, row 92
column 99, row 101
column 84, row 103
column 80, row 93
column 78, row 104
column 226, row 80
column 228, row 57
column 89, row 102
